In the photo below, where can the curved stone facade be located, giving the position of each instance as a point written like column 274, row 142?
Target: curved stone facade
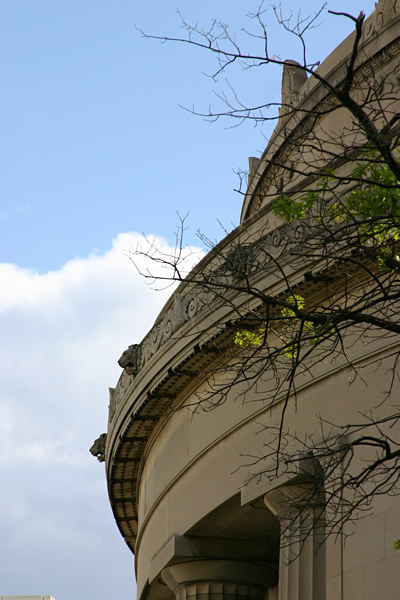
column 199, row 520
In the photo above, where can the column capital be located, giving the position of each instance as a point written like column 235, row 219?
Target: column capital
column 219, row 579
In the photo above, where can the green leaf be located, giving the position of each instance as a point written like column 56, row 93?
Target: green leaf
column 249, row 339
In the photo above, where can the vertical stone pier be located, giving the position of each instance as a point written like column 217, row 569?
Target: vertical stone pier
column 300, row 510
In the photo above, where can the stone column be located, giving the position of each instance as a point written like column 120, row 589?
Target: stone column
column 300, row 511
column 219, row 580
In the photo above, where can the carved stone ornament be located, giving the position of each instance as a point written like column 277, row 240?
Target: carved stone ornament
column 183, row 308
column 293, row 79
column 253, row 165
column 240, row 261
column 99, row 447
column 130, row 359
column 118, row 394
column 112, row 405
column 385, row 10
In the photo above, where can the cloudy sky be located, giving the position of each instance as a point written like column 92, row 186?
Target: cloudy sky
column 96, row 152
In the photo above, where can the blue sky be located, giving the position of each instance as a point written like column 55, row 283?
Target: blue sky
column 94, row 142
column 95, row 151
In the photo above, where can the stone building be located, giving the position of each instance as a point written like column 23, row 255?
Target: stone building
column 201, row 521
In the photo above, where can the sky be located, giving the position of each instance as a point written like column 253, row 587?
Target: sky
column 97, row 154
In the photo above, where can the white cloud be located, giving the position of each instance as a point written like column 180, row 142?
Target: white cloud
column 61, row 334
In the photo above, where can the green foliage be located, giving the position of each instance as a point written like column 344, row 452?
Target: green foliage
column 372, row 199
column 297, row 301
column 248, row 339
column 290, row 209
column 375, row 195
column 397, row 545
column 288, row 330
column 372, row 206
column 290, row 323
